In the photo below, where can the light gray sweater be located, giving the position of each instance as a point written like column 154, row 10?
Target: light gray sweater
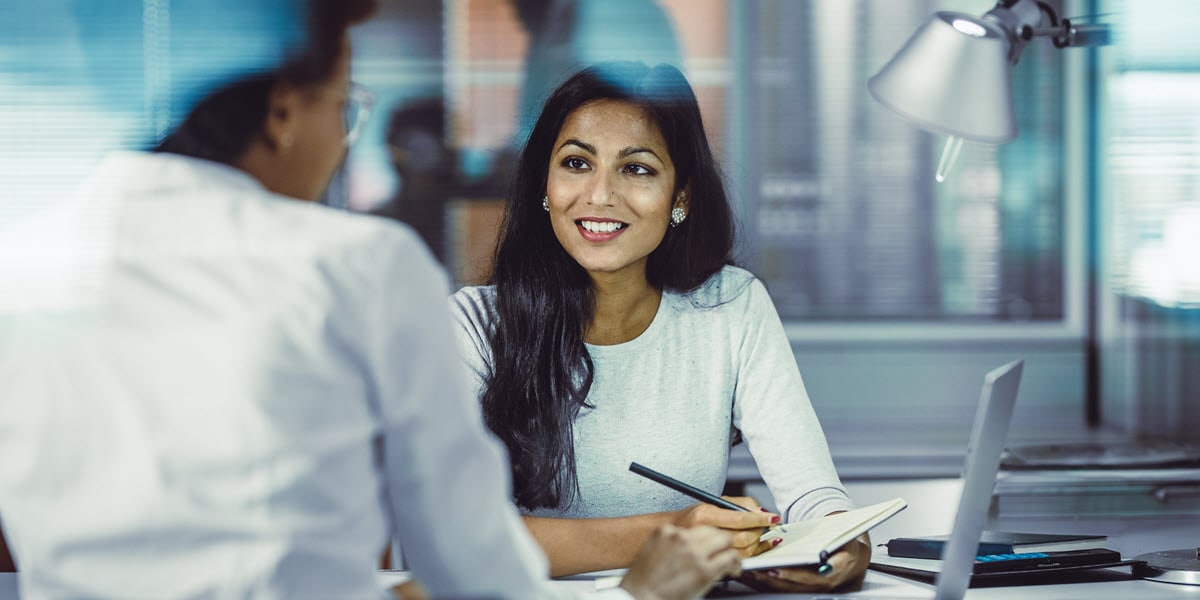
column 712, row 359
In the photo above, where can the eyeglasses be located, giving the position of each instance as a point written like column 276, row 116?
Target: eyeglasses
column 359, row 101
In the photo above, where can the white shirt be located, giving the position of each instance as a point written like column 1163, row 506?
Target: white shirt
column 191, row 389
column 713, row 359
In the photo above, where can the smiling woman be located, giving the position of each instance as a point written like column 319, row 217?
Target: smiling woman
column 617, row 330
column 610, row 188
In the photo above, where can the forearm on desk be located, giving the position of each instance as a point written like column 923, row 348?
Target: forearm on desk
column 583, row 545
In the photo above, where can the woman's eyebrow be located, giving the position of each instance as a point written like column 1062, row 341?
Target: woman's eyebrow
column 637, row 150
column 574, row 142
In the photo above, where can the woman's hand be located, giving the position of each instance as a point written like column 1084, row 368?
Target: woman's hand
column 410, row 590
column 849, row 566
column 744, row 527
column 681, row 564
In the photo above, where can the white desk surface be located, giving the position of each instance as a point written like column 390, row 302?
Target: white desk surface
column 930, row 512
column 880, row 586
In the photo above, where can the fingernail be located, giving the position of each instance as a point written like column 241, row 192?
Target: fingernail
column 776, row 542
column 763, row 509
column 824, row 570
column 772, row 573
column 775, row 520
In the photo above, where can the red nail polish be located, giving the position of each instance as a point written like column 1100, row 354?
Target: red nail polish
column 775, row 520
column 776, row 542
column 763, row 509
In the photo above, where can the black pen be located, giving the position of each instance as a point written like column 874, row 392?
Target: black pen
column 684, row 488
column 823, row 568
column 689, row 490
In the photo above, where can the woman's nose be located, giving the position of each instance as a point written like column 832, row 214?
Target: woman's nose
column 603, row 191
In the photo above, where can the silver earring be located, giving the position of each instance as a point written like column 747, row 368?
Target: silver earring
column 546, row 203
column 677, row 216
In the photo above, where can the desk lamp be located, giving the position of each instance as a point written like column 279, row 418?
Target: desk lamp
column 954, row 77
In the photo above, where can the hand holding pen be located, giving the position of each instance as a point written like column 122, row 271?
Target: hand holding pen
column 744, row 519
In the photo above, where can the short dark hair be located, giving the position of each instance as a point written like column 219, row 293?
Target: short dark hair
column 541, row 372
column 224, row 123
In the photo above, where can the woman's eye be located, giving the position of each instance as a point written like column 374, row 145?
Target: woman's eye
column 575, row 163
column 637, row 169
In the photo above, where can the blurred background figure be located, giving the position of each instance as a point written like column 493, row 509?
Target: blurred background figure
column 425, row 169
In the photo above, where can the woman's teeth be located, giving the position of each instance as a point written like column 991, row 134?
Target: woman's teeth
column 601, row 227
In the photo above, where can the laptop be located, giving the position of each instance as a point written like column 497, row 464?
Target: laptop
column 992, row 417
column 984, row 449
column 984, row 452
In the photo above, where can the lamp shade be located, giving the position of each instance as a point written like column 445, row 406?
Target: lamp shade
column 953, row 77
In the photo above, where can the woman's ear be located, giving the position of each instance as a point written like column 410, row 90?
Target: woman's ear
column 683, row 198
column 282, row 118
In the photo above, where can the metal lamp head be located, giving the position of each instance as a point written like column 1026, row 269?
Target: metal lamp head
column 953, row 76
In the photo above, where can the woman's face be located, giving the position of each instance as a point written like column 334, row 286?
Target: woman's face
column 610, row 187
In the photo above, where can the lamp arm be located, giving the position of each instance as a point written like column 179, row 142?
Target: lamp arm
column 1066, row 34
column 1023, row 20
column 1069, row 34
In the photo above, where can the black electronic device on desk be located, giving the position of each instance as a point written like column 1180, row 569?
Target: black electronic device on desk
column 995, row 542
column 1018, row 568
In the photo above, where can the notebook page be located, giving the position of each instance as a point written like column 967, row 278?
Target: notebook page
column 803, row 541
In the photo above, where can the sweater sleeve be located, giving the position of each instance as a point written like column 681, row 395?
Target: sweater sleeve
column 471, row 308
column 776, row 418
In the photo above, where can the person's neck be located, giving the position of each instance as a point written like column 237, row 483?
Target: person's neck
column 258, row 161
column 625, row 307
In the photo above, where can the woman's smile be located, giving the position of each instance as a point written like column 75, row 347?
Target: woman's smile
column 600, row 230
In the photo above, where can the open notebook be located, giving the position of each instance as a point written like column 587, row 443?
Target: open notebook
column 804, row 542
column 810, row 542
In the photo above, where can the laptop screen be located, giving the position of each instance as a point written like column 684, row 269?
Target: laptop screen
column 986, row 444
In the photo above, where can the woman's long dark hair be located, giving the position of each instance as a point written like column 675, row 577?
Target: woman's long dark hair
column 541, row 371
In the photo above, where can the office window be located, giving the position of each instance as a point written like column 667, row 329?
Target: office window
column 1148, row 157
column 1152, row 152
